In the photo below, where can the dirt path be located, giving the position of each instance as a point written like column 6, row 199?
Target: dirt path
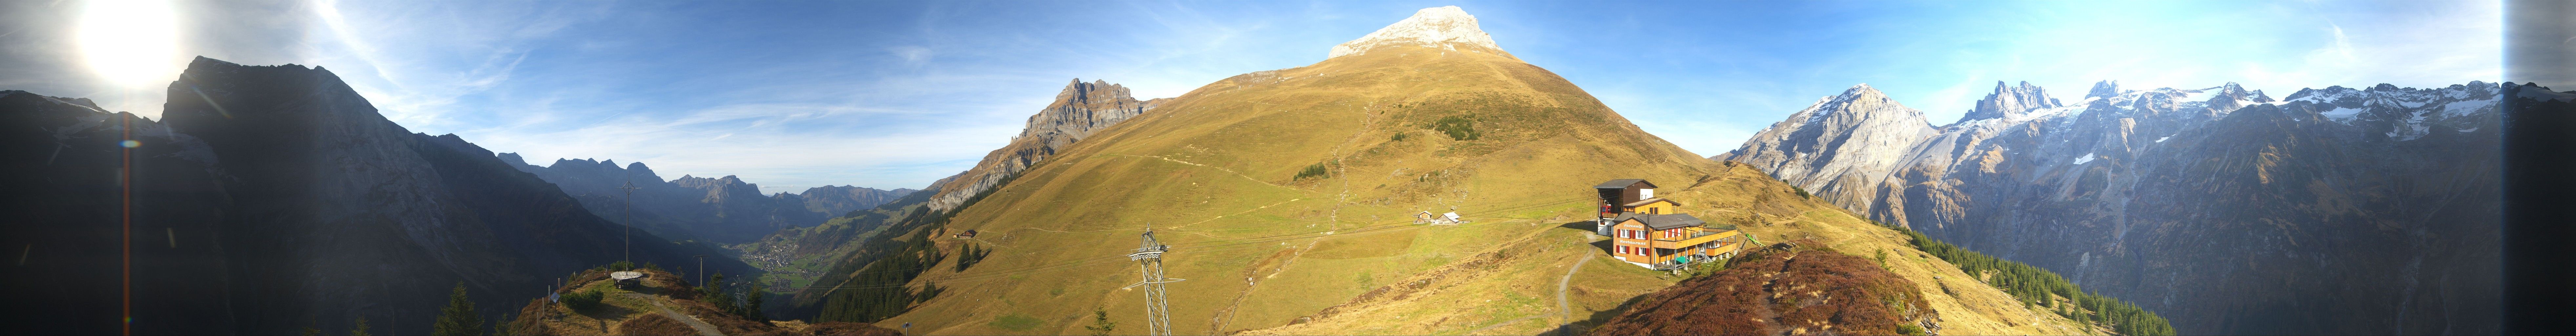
column 703, row 328
column 1562, row 308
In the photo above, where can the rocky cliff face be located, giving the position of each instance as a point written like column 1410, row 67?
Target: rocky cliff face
column 1078, row 111
column 2013, row 101
column 722, row 210
column 2333, row 210
column 274, row 198
column 1842, row 142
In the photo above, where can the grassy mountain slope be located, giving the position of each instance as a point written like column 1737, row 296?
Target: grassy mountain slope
column 1217, row 174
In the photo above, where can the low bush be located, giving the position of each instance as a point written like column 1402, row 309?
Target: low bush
column 585, row 299
column 1460, row 128
column 1316, row 170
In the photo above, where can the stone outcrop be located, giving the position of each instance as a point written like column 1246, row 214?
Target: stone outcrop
column 1078, row 111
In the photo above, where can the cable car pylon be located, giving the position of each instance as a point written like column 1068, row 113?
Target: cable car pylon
column 1158, row 311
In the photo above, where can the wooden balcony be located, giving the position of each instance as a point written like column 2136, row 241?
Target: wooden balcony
column 1696, row 239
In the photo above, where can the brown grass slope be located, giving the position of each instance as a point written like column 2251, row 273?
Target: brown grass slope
column 1215, row 173
column 1795, row 291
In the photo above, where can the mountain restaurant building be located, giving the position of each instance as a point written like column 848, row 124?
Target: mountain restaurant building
column 1624, row 196
column 1649, row 231
column 1662, row 241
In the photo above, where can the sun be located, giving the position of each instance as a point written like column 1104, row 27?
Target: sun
column 130, row 43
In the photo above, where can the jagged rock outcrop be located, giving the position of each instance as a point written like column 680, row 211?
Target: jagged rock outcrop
column 1444, row 27
column 2011, row 101
column 1079, row 110
column 271, row 199
column 1842, row 142
column 721, row 210
column 2218, row 208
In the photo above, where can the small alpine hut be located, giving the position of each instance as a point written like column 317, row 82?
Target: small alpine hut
column 967, row 234
column 627, row 278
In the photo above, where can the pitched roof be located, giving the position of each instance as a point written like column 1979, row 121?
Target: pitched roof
column 1622, row 184
column 1660, row 222
column 1652, row 200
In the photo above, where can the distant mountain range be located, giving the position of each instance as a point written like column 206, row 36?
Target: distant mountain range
column 270, row 199
column 2334, row 210
column 723, row 210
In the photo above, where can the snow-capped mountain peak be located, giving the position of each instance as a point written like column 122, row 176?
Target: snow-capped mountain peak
column 1445, row 27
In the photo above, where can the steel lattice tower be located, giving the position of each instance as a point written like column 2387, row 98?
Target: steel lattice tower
column 1158, row 312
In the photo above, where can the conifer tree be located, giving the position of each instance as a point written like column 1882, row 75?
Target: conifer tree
column 458, row 318
column 361, row 328
column 751, row 306
column 1100, row 325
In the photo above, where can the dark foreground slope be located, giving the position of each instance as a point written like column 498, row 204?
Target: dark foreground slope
column 1786, row 290
column 271, row 199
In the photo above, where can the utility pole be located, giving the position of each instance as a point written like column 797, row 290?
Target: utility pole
column 702, row 270
column 1158, row 312
column 629, row 237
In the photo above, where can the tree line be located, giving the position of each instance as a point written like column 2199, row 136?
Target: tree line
column 874, row 282
column 2034, row 286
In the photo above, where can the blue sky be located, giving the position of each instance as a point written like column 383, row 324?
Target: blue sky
column 896, row 94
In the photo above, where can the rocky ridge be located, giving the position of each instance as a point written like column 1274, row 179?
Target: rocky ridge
column 1079, row 110
column 1846, row 141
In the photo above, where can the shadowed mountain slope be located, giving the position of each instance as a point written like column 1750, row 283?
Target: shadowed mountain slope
column 271, row 199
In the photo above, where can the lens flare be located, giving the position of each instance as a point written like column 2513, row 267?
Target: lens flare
column 130, row 43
